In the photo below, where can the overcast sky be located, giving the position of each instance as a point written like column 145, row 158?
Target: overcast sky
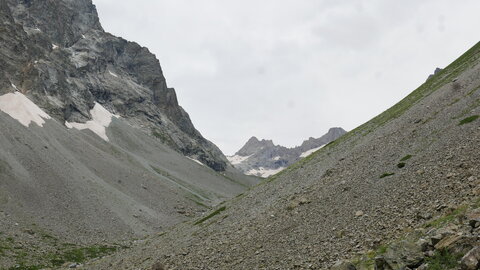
column 290, row 69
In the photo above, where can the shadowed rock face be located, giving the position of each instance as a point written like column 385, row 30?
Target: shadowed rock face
column 57, row 53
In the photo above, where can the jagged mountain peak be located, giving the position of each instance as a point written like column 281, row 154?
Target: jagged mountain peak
column 252, row 145
column 264, row 158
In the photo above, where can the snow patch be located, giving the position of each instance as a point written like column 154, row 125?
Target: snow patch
column 263, row 172
column 196, row 160
column 101, row 119
column 22, row 109
column 113, row 74
column 14, row 87
column 54, row 46
column 83, row 36
column 37, row 29
column 309, row 152
column 236, row 159
column 276, row 158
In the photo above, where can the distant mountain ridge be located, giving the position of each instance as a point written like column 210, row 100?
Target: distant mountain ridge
column 263, row 158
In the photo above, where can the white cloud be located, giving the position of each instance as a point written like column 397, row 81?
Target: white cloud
column 287, row 70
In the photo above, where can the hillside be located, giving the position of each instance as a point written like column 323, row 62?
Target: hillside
column 264, row 158
column 94, row 148
column 404, row 170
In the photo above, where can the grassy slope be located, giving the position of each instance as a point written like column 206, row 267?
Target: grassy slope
column 446, row 75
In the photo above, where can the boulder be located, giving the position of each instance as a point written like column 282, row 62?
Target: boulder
column 404, row 254
column 471, row 261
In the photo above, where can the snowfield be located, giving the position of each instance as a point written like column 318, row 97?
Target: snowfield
column 113, row 74
column 309, row 152
column 262, row 172
column 196, row 160
column 237, row 159
column 22, row 109
column 101, row 119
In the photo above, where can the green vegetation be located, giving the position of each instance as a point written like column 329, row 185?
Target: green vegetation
column 48, row 236
column 469, row 119
column 80, row 255
column 443, row 259
column 381, row 250
column 473, row 91
column 367, row 261
column 54, row 253
column 454, row 102
column 439, row 222
column 401, row 165
column 473, row 105
column 436, row 82
column 214, row 213
column 407, row 157
column 386, row 175
column 24, row 267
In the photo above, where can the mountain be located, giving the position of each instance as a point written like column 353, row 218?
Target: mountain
column 263, row 158
column 94, row 147
column 410, row 172
column 57, row 53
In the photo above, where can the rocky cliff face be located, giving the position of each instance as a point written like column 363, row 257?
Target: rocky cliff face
column 57, row 53
column 264, row 158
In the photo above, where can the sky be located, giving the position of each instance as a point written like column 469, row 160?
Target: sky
column 288, row 70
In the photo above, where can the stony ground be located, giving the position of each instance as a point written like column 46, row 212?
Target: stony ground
column 399, row 171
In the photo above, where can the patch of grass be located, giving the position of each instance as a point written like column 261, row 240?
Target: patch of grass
column 27, row 267
column 386, row 175
column 443, row 259
column 382, row 249
column 472, row 91
column 407, row 157
column 466, row 111
column 439, row 222
column 469, row 119
column 80, row 255
column 48, row 237
column 401, row 165
column 440, row 79
column 454, row 101
column 197, row 200
column 214, row 213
